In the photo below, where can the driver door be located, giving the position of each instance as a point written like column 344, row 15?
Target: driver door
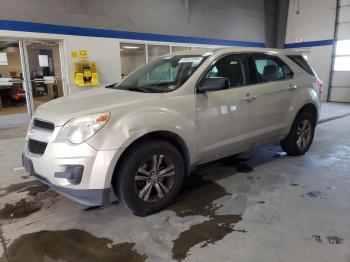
column 227, row 120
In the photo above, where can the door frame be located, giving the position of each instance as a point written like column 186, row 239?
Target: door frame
column 17, row 120
column 21, row 119
column 26, row 77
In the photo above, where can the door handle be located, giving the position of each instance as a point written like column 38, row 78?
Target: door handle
column 292, row 87
column 249, row 98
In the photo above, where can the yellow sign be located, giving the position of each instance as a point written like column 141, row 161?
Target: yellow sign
column 74, row 54
column 83, row 54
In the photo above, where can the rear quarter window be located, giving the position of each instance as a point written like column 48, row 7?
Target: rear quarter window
column 300, row 61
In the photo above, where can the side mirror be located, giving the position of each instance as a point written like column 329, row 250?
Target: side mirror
column 213, row 84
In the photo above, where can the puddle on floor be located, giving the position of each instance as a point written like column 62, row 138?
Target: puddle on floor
column 197, row 199
column 315, row 194
column 317, row 238
column 332, row 240
column 238, row 163
column 37, row 193
column 70, row 245
column 32, row 187
column 21, row 209
column 280, row 155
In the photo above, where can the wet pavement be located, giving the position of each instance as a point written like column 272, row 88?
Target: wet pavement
column 257, row 206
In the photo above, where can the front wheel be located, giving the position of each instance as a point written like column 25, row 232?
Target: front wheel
column 150, row 177
column 300, row 136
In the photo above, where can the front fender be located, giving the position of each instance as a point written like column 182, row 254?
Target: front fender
column 133, row 125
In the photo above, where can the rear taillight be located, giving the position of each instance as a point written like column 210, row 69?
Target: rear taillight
column 319, row 84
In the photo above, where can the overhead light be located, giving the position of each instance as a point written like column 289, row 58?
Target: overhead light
column 121, row 49
column 130, row 47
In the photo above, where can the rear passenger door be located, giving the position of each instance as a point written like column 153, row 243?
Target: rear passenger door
column 227, row 119
column 275, row 91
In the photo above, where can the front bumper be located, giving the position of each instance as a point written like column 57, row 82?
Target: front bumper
column 89, row 197
column 79, row 172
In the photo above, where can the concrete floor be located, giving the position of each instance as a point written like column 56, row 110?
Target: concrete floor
column 259, row 206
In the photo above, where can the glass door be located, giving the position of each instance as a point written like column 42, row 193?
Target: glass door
column 13, row 102
column 44, row 71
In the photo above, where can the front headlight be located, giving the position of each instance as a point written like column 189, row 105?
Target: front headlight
column 82, row 128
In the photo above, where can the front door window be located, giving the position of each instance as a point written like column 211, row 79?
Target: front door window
column 233, row 67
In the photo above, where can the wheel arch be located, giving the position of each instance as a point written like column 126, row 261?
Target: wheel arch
column 163, row 135
column 311, row 108
column 308, row 107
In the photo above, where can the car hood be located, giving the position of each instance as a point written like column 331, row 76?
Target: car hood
column 60, row 110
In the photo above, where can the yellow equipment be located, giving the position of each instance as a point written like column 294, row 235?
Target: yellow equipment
column 85, row 74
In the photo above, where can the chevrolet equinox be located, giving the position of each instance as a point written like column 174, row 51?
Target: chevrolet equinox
column 142, row 136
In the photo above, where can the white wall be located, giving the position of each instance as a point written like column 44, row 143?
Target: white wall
column 315, row 21
column 104, row 51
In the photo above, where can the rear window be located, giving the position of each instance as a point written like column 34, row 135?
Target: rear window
column 300, row 61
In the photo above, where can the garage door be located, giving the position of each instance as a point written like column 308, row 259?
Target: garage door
column 340, row 85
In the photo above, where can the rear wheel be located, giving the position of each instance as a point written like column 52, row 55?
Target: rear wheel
column 301, row 135
column 149, row 177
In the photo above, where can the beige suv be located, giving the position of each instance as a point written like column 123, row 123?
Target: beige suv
column 142, row 136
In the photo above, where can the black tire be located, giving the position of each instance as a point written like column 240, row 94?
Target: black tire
column 127, row 188
column 290, row 143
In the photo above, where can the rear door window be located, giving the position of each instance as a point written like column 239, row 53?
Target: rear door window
column 300, row 61
column 270, row 68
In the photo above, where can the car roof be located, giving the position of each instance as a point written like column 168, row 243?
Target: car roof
column 224, row 50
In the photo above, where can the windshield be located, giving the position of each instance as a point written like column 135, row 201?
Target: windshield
column 164, row 74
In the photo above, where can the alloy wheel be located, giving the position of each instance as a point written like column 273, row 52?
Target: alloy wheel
column 304, row 134
column 154, row 178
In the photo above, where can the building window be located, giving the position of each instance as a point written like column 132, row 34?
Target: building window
column 132, row 56
column 155, row 51
column 180, row 48
column 342, row 56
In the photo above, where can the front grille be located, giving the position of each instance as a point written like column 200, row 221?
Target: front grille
column 43, row 124
column 36, row 147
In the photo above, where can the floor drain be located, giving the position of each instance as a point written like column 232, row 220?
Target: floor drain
column 44, row 195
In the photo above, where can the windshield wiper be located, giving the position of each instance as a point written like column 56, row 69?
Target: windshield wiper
column 130, row 88
column 111, row 85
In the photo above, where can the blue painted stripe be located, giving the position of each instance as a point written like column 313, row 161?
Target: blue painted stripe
column 310, row 43
column 94, row 32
